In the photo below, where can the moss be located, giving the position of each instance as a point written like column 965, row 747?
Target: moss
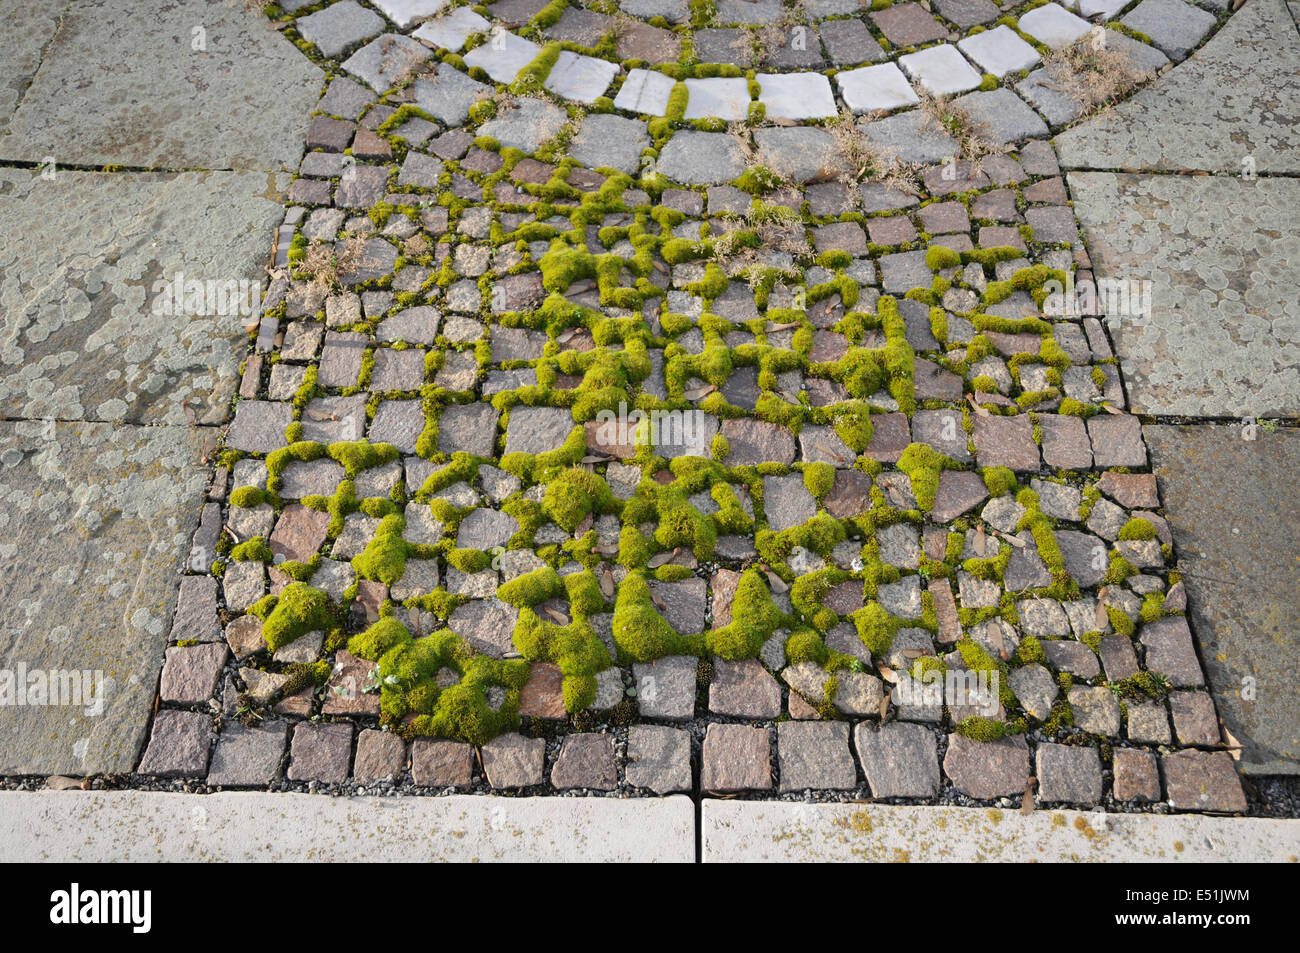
column 254, row 550
column 640, row 632
column 249, row 496
column 922, row 464
column 1142, row 685
column 384, row 558
column 999, row 480
column 1120, row 622
column 359, row 455
column 575, row 494
column 819, row 478
column 298, row 609
column 806, row 645
column 1138, row 529
column 387, row 633
column 754, row 618
column 981, row 729
column 940, row 258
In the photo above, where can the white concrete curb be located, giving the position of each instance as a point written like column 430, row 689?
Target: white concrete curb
column 766, row 831
column 139, row 826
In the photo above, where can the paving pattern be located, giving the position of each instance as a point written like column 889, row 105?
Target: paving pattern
column 670, row 397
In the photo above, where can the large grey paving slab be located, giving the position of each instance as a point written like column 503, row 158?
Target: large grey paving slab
column 28, row 28
column 121, row 83
column 82, row 262
column 1233, row 512
column 780, row 831
column 151, row 827
column 1223, row 335
column 1236, row 97
column 94, row 521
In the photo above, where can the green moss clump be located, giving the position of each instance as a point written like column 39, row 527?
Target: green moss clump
column 922, row 463
column 640, row 632
column 819, row 478
column 754, row 617
column 386, row 634
column 299, row 609
column 574, row 494
column 359, row 455
column 384, row 558
column 999, row 480
column 1138, row 529
column 248, row 496
column 254, row 550
column 939, row 258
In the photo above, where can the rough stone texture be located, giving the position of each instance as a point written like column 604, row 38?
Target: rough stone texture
column 121, row 826
column 586, row 760
column 190, row 673
column 320, row 752
column 665, row 689
column 1202, row 781
column 248, row 757
column 1136, row 775
column 513, row 761
column 1234, row 551
column 987, row 769
column 659, row 758
column 735, row 831
column 98, row 556
column 119, row 83
column 1220, row 339
column 899, row 760
column 744, row 690
column 113, row 240
column 610, row 141
column 381, row 755
column 736, row 758
column 815, row 755
column 701, row 158
column 178, row 747
column 441, row 764
column 1068, row 774
column 1235, row 97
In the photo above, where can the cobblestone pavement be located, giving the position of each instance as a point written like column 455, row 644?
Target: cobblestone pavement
column 689, row 397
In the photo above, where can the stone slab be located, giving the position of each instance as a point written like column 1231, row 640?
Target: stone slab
column 147, row 827
column 84, row 336
column 29, row 27
column 1237, row 96
column 1229, row 505
column 1223, row 335
column 95, row 521
column 777, row 831
column 120, row 83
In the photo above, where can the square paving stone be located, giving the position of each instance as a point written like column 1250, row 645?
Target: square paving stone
column 802, row 155
column 405, row 13
column 513, row 761
column 873, row 88
column 1175, row 27
column 849, row 42
column 999, row 51
column 1053, row 25
column 899, row 760
column 644, row 91
column 190, row 673
column 1202, row 781
column 448, row 94
column 1068, row 774
column 744, row 689
column 721, row 97
column 659, row 759
column 736, row 758
column 442, row 764
column 586, row 760
column 580, row 78
column 701, row 158
column 815, row 755
column 536, row 430
column 248, row 757
column 1170, row 652
column 798, row 96
column 450, row 32
column 178, row 747
column 608, row 141
column 339, row 26
column 1003, row 117
column 387, row 61
column 503, row 56
column 908, row 24
column 1136, row 775
column 966, row 13
column 320, row 752
column 665, row 689
column 468, row 428
column 381, row 756
column 941, row 70
column 987, row 769
column 1006, row 442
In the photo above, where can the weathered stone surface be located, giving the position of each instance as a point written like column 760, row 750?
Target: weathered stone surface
column 442, row 764
column 1231, row 549
column 987, row 769
column 73, row 496
column 1170, row 651
column 543, row 695
column 537, row 429
column 586, row 760
column 178, row 747
column 118, row 243
column 665, row 689
column 320, row 752
column 899, row 760
column 736, row 758
column 1068, row 774
column 815, row 755
column 190, row 673
column 701, row 158
column 248, row 757
column 787, row 502
column 121, row 84
column 1202, row 781
column 744, row 689
column 1212, row 289
column 1136, row 775
column 659, row 758
column 381, row 756
column 610, row 141
column 1096, row 710
column 513, row 761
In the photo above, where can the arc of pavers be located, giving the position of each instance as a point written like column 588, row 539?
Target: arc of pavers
column 943, row 69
